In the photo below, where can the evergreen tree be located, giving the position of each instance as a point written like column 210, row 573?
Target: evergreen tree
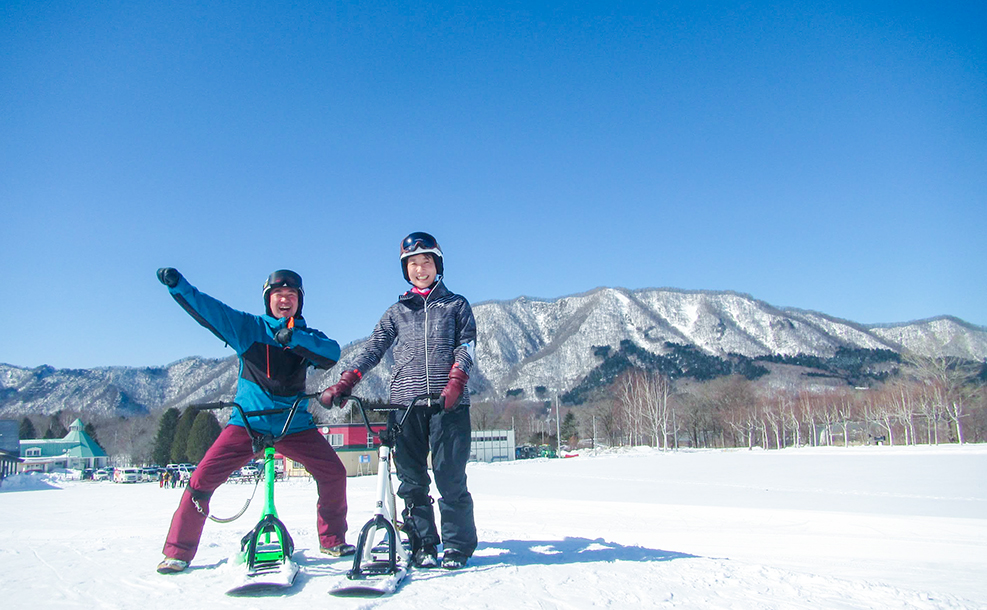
column 161, row 453
column 179, row 445
column 570, row 427
column 55, row 427
column 27, row 430
column 90, row 430
column 205, row 430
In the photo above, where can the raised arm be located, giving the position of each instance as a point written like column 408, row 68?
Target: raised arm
column 230, row 325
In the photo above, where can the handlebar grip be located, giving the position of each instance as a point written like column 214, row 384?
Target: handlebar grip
column 205, row 406
column 211, row 405
column 263, row 412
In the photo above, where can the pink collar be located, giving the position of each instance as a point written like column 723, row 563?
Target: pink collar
column 422, row 291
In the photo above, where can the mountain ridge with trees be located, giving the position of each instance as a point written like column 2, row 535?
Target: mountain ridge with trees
column 533, row 350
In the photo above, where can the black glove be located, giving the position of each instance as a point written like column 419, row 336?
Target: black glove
column 283, row 336
column 169, row 276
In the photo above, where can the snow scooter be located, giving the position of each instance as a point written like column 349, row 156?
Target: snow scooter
column 383, row 556
column 265, row 552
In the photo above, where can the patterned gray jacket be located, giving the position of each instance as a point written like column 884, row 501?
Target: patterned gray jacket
column 429, row 336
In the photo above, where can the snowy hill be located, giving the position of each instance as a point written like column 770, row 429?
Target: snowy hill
column 114, row 390
column 523, row 344
column 529, row 343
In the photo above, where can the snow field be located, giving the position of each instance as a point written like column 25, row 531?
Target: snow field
column 811, row 528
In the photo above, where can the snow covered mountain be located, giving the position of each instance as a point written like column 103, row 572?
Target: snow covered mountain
column 523, row 344
column 526, row 343
column 114, row 390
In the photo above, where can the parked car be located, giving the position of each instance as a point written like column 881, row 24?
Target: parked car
column 237, row 476
column 103, row 474
column 183, row 468
column 127, row 475
column 150, row 474
column 525, row 452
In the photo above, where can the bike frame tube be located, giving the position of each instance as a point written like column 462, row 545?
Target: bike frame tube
column 269, row 473
column 384, row 502
column 385, row 510
column 385, row 514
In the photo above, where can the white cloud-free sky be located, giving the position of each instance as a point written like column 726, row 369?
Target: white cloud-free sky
column 820, row 156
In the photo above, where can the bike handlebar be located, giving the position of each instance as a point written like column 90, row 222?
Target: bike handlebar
column 248, row 414
column 421, row 401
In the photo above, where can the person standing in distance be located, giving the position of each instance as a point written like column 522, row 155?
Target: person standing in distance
column 275, row 351
column 432, row 334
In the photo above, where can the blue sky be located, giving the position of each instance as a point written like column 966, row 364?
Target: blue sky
column 813, row 155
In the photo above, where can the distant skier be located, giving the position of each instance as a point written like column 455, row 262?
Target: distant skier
column 275, row 351
column 433, row 334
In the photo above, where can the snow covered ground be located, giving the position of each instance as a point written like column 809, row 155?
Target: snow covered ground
column 865, row 527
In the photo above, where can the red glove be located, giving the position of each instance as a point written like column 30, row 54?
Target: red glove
column 330, row 397
column 454, row 389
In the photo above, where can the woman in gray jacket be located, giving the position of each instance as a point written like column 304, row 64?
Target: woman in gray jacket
column 432, row 334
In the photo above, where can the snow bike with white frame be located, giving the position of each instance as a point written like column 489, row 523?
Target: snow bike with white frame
column 382, row 557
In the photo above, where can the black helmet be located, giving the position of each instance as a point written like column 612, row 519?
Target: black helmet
column 420, row 243
column 287, row 279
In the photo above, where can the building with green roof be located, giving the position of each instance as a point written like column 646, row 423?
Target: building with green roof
column 76, row 450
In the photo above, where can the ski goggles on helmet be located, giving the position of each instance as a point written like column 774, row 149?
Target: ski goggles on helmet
column 283, row 278
column 419, row 241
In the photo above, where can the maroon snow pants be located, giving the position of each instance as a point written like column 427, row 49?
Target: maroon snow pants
column 231, row 451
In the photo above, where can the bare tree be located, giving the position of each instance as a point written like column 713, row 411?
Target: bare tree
column 846, row 414
column 697, row 416
column 883, row 412
column 808, row 410
column 654, row 389
column 931, row 410
column 976, row 425
column 901, row 396
column 951, row 383
column 829, row 414
column 482, row 416
column 773, row 413
column 661, row 413
column 634, row 393
column 737, row 406
column 792, row 419
column 610, row 421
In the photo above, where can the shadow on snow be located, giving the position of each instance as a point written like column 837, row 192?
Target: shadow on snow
column 565, row 551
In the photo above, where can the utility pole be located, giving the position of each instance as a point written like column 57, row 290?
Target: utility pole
column 558, row 428
column 675, row 431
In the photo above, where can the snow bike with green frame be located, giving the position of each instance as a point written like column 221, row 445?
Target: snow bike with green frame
column 266, row 550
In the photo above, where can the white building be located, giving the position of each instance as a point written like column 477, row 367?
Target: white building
column 492, row 445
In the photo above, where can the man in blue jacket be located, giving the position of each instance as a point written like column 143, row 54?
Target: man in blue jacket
column 275, row 351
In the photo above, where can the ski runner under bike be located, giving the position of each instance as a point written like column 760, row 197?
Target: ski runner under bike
column 275, row 351
column 432, row 334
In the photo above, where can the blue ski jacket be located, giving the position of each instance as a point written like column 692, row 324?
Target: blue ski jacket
column 271, row 375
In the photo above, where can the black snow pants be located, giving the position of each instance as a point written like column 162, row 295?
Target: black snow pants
column 447, row 435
